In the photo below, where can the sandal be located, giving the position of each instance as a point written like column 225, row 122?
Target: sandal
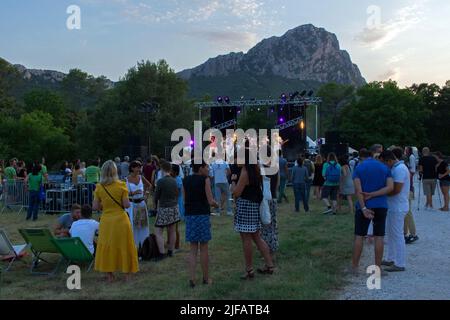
column 267, row 270
column 249, row 275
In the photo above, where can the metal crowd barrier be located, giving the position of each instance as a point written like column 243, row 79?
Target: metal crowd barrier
column 59, row 197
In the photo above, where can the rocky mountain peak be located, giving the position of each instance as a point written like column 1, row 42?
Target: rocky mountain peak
column 305, row 53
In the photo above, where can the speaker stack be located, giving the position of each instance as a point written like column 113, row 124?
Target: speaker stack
column 294, row 137
column 334, row 143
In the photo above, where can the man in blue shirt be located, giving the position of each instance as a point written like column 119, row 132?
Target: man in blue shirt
column 373, row 182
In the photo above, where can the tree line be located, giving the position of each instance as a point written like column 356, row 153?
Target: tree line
column 87, row 118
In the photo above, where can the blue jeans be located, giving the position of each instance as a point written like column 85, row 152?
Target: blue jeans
column 282, row 189
column 220, row 189
column 300, row 196
column 308, row 190
column 90, row 193
column 33, row 206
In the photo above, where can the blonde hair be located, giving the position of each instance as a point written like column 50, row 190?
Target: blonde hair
column 319, row 159
column 109, row 173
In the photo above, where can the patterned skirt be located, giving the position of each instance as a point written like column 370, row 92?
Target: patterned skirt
column 198, row 228
column 247, row 218
column 167, row 217
column 269, row 233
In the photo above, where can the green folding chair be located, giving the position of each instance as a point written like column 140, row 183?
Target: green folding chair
column 9, row 251
column 74, row 251
column 40, row 242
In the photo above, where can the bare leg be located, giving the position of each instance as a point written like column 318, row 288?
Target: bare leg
column 430, row 201
column 110, row 277
column 247, row 246
column 263, row 248
column 177, row 237
column 172, row 237
column 446, row 198
column 350, row 204
column 204, row 260
column 379, row 248
column 357, row 251
column 160, row 239
column 193, row 260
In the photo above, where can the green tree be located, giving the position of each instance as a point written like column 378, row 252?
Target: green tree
column 8, row 79
column 118, row 119
column 438, row 123
column 334, row 98
column 83, row 91
column 33, row 136
column 47, row 102
column 384, row 113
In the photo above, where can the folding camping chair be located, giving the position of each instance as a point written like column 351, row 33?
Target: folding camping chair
column 8, row 251
column 74, row 250
column 40, row 241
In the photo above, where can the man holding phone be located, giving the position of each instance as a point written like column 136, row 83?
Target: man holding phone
column 373, row 182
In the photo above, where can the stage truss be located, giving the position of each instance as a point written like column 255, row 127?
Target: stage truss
column 260, row 103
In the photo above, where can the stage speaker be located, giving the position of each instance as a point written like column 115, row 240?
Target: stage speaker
column 294, row 137
column 340, row 149
column 134, row 147
column 333, row 137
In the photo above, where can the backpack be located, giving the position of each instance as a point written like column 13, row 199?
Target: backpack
column 333, row 174
column 310, row 167
column 149, row 249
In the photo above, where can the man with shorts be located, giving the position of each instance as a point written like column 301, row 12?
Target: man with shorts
column 373, row 182
column 428, row 174
column 332, row 174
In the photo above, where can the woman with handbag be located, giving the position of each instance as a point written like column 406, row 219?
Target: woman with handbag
column 116, row 250
column 34, row 182
column 137, row 212
column 248, row 194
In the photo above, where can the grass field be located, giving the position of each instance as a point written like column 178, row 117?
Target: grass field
column 314, row 250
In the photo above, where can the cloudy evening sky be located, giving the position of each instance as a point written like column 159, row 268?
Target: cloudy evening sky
column 412, row 43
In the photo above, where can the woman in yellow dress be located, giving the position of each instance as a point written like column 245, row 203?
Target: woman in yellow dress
column 116, row 251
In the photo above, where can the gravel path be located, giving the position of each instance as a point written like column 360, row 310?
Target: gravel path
column 427, row 275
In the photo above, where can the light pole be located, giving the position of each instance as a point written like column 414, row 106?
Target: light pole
column 317, row 123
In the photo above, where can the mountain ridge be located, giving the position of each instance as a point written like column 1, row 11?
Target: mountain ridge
column 303, row 54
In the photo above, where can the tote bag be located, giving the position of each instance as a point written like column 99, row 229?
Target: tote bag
column 264, row 209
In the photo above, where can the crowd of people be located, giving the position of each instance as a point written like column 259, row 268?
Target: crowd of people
column 129, row 193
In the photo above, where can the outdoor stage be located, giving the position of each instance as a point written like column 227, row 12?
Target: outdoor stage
column 289, row 112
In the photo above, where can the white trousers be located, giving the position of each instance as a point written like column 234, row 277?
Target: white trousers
column 396, row 251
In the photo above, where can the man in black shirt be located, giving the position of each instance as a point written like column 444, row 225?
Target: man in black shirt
column 428, row 174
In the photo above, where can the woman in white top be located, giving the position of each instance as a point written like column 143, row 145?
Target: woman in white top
column 137, row 186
